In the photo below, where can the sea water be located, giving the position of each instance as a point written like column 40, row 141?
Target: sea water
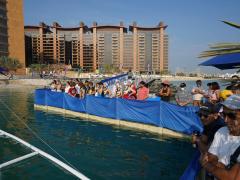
column 98, row 151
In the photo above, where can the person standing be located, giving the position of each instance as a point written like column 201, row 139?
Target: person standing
column 198, row 93
column 165, row 92
column 143, row 91
column 183, row 97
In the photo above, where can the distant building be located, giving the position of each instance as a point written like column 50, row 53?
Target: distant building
column 141, row 49
column 12, row 29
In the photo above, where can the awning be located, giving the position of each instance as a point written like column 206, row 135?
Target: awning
column 228, row 61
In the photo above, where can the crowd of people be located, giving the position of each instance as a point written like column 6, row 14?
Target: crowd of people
column 198, row 95
column 79, row 89
column 219, row 112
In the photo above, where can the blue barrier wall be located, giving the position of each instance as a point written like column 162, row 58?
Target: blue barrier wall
column 157, row 113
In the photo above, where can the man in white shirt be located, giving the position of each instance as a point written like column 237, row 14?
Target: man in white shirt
column 225, row 143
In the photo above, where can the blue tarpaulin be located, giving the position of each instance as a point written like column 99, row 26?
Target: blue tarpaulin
column 193, row 168
column 227, row 61
column 157, row 113
column 112, row 79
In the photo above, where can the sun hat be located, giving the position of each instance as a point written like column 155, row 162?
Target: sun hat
column 232, row 102
column 166, row 82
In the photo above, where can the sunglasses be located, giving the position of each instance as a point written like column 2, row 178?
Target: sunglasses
column 231, row 115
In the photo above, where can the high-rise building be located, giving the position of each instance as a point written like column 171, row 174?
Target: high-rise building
column 143, row 49
column 3, row 28
column 12, row 30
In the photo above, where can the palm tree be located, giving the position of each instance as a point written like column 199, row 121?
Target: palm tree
column 223, row 48
column 11, row 64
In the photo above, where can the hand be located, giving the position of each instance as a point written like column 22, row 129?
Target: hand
column 195, row 139
column 204, row 159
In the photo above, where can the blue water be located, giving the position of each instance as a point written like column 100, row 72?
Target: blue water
column 99, row 151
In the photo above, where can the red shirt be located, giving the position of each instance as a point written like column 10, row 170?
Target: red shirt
column 142, row 93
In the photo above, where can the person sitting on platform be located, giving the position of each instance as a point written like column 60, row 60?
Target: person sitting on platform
column 130, row 91
column 106, row 90
column 72, row 90
column 59, row 86
column 53, row 85
column 143, row 91
column 222, row 159
column 117, row 90
column 91, row 89
column 165, row 92
column 99, row 89
column 67, row 87
column 183, row 97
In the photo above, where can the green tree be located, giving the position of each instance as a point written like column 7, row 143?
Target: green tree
column 37, row 67
column 11, row 64
column 222, row 48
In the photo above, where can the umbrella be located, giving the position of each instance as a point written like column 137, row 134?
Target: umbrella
column 227, row 61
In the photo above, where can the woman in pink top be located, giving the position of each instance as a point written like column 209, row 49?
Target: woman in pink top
column 143, row 91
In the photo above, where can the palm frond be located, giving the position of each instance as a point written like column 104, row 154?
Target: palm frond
column 232, row 24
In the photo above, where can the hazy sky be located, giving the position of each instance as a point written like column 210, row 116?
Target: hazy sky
column 192, row 24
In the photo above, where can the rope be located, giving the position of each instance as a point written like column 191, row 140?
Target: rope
column 37, row 136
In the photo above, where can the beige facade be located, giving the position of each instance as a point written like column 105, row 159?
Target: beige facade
column 141, row 49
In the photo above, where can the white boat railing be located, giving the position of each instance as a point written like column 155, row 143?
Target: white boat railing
column 8, row 163
column 41, row 153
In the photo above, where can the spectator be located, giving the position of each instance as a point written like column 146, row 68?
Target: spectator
column 117, row 89
column 67, row 87
column 130, row 91
column 165, row 92
column 143, row 91
column 53, row 85
column 72, row 90
column 211, row 120
column 219, row 160
column 215, row 96
column 183, row 97
column 197, row 93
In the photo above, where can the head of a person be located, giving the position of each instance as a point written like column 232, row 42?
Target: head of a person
column 199, row 83
column 235, row 78
column 142, row 84
column 182, row 86
column 72, row 84
column 231, row 114
column 100, row 84
column 129, row 82
column 209, row 112
column 165, row 83
column 209, row 85
column 105, row 85
column 235, row 88
column 215, row 86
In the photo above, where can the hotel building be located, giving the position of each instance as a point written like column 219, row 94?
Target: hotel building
column 138, row 48
column 12, row 30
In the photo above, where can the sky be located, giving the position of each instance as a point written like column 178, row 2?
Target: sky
column 193, row 25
